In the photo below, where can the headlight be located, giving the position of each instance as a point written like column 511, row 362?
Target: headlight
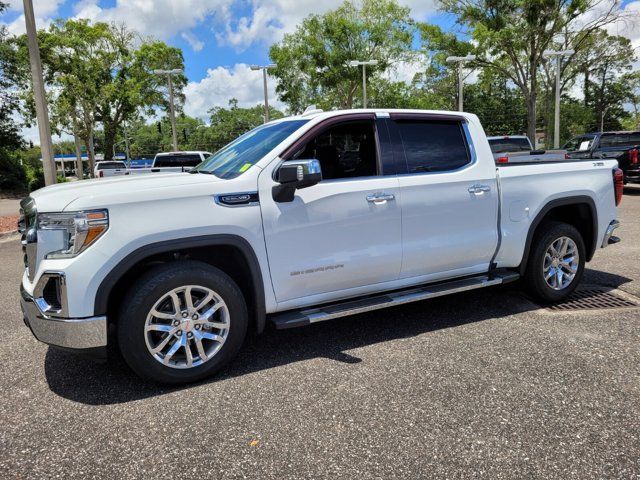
column 79, row 230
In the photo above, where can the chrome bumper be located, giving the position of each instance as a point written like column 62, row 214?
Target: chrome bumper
column 608, row 234
column 75, row 333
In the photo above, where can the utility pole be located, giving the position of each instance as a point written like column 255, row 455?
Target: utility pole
column 558, row 54
column 357, row 63
column 172, row 112
column 264, row 69
column 42, row 113
column 460, row 61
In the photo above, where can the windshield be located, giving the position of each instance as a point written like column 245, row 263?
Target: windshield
column 110, row 165
column 579, row 144
column 502, row 145
column 246, row 150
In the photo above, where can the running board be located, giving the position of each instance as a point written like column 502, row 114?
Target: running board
column 299, row 318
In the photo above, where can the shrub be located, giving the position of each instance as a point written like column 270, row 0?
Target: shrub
column 12, row 175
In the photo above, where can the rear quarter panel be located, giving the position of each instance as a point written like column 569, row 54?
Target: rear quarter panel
column 527, row 189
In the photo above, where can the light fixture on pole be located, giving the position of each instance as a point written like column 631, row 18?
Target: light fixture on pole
column 264, row 69
column 172, row 112
column 357, row 63
column 558, row 54
column 42, row 113
column 460, row 61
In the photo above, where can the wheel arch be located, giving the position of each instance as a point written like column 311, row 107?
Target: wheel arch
column 230, row 251
column 579, row 211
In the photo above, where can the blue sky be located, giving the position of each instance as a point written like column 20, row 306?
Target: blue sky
column 221, row 38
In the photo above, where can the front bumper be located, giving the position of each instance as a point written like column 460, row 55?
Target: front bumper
column 73, row 333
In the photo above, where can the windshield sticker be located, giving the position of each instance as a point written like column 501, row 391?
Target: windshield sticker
column 245, row 167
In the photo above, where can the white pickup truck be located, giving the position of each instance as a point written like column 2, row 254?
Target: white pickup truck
column 304, row 219
column 165, row 162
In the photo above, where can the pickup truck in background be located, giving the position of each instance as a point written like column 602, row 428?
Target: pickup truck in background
column 110, row 169
column 301, row 220
column 518, row 149
column 620, row 146
column 168, row 162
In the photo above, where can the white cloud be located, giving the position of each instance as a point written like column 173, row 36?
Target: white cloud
column 161, row 18
column 223, row 83
column 44, row 12
column 270, row 20
column 193, row 41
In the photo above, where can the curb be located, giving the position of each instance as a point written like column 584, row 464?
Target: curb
column 6, row 235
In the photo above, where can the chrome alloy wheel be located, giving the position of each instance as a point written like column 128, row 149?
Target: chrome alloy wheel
column 561, row 261
column 187, row 326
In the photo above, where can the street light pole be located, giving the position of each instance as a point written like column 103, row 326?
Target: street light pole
column 460, row 61
column 558, row 54
column 172, row 112
column 357, row 63
column 42, row 113
column 264, row 69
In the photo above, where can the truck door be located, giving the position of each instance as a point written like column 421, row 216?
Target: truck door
column 449, row 197
column 342, row 233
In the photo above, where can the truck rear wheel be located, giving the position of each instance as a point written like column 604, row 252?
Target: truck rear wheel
column 182, row 322
column 556, row 262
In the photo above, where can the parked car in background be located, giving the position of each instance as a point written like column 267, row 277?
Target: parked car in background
column 166, row 162
column 518, row 149
column 620, row 146
column 110, row 168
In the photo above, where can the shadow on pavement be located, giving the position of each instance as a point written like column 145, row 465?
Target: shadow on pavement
column 81, row 380
column 634, row 191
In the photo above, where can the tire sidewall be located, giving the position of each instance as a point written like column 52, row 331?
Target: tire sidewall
column 549, row 233
column 151, row 287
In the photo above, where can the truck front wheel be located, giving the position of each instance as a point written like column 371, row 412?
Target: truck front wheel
column 181, row 322
column 556, row 262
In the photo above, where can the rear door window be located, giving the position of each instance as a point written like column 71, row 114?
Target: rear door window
column 433, row 145
column 620, row 140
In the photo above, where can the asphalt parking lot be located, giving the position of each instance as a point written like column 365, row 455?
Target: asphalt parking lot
column 479, row 385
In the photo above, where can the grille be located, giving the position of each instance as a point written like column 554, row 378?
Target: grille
column 594, row 299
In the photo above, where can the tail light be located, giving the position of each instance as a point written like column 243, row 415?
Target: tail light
column 618, row 184
column 633, row 156
column 101, row 173
column 502, row 160
column 566, row 156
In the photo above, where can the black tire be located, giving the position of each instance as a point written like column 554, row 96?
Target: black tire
column 148, row 289
column 545, row 235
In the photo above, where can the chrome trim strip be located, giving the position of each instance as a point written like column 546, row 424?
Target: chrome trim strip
column 609, row 232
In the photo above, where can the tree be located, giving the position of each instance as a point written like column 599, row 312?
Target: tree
column 312, row 61
column 102, row 74
column 511, row 35
column 12, row 176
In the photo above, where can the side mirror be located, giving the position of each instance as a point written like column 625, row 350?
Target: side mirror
column 294, row 175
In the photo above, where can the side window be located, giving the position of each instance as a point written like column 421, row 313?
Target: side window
column 345, row 150
column 433, row 145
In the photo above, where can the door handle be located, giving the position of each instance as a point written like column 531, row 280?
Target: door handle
column 479, row 189
column 380, row 198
